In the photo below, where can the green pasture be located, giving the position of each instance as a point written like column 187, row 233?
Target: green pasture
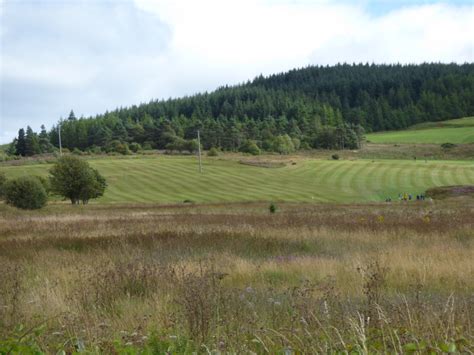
column 456, row 131
column 172, row 179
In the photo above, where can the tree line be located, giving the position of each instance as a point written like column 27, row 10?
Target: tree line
column 313, row 107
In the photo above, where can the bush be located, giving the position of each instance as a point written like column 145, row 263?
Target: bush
column 192, row 145
column 25, row 192
column 95, row 149
column 283, row 144
column 135, row 147
column 213, row 152
column 448, row 145
column 272, row 208
column 335, row 156
column 3, row 180
column 250, row 147
column 147, row 145
column 117, row 146
column 305, row 146
column 296, row 143
column 45, row 182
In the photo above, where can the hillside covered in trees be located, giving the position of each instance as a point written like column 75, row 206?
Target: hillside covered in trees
column 313, row 107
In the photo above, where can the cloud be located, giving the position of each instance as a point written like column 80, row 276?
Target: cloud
column 97, row 55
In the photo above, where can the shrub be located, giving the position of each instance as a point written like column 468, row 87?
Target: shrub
column 45, row 182
column 213, row 152
column 117, row 146
column 272, row 208
column 192, row 145
column 3, row 180
column 283, row 144
column 250, row 147
column 448, row 145
column 147, row 145
column 135, row 147
column 305, row 146
column 25, row 192
column 335, row 156
column 95, row 149
column 296, row 143
column 77, row 151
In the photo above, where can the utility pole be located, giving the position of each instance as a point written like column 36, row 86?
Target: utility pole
column 199, row 152
column 60, row 145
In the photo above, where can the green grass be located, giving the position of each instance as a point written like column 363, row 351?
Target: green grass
column 457, row 131
column 171, row 179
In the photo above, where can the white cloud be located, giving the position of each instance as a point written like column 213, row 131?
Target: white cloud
column 94, row 55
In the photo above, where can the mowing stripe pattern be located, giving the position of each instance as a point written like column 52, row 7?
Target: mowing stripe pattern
column 172, row 179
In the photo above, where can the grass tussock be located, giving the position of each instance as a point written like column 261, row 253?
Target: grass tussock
column 236, row 278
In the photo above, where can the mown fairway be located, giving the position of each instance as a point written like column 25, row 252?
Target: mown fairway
column 453, row 131
column 171, row 179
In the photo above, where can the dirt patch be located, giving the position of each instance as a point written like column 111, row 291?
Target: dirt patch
column 263, row 163
column 443, row 192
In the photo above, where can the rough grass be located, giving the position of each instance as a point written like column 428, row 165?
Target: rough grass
column 411, row 151
column 235, row 278
column 174, row 179
column 444, row 192
column 459, row 131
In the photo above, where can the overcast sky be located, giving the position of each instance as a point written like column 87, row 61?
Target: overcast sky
column 93, row 56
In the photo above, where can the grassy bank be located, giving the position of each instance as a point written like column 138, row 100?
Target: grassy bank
column 453, row 131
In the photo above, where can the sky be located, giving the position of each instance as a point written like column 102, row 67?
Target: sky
column 92, row 56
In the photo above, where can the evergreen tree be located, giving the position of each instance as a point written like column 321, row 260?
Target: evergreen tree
column 44, row 141
column 21, row 143
column 71, row 116
column 31, row 142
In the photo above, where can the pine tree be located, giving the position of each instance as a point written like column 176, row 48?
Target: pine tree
column 21, row 143
column 44, row 141
column 31, row 143
column 72, row 117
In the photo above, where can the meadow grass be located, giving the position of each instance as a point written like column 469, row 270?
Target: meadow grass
column 459, row 131
column 312, row 278
column 174, row 179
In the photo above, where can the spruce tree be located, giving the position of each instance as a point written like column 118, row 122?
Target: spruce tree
column 21, row 143
column 31, row 143
column 72, row 117
column 44, row 141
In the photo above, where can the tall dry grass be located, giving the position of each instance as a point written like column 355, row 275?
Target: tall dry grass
column 235, row 278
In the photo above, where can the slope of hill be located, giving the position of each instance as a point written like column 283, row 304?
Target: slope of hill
column 453, row 131
column 315, row 107
column 168, row 179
